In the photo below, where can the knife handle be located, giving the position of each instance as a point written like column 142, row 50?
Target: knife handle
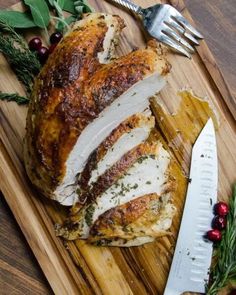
column 127, row 4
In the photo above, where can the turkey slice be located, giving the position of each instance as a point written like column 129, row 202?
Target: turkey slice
column 146, row 235
column 147, row 216
column 148, row 175
column 130, row 133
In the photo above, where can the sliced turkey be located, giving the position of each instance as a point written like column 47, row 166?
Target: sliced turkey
column 77, row 102
column 147, row 175
column 130, row 133
column 152, row 219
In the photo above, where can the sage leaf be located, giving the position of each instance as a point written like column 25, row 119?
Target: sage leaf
column 60, row 26
column 58, row 7
column 50, row 2
column 69, row 6
column 40, row 12
column 16, row 19
column 81, row 6
column 61, row 3
column 87, row 8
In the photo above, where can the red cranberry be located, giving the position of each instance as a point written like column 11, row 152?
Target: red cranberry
column 214, row 235
column 55, row 37
column 219, row 222
column 221, row 208
column 43, row 53
column 52, row 47
column 35, row 44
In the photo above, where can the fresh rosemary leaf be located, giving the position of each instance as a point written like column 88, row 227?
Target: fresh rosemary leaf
column 40, row 12
column 224, row 270
column 17, row 19
column 14, row 97
column 23, row 62
column 6, row 28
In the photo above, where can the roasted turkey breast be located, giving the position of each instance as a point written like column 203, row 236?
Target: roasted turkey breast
column 77, row 101
column 90, row 140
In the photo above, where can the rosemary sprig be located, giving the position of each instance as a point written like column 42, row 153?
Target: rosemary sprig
column 14, row 97
column 224, row 269
column 23, row 62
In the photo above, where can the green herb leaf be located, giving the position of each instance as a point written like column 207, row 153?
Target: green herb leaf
column 60, row 26
column 14, row 97
column 50, row 2
column 58, row 7
column 82, row 6
column 61, row 3
column 17, row 19
column 23, row 62
column 224, row 270
column 69, row 6
column 40, row 12
column 79, row 10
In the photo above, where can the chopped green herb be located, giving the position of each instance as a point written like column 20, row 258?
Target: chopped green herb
column 89, row 214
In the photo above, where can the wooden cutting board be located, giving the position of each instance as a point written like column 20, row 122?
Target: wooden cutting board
column 78, row 268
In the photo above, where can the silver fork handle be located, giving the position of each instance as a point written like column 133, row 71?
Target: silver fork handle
column 131, row 6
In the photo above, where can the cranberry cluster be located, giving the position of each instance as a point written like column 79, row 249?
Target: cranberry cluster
column 221, row 210
column 43, row 52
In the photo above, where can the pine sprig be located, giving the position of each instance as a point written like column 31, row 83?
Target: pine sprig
column 14, row 97
column 224, row 269
column 23, row 62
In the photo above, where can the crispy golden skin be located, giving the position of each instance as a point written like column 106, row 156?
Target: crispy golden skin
column 70, row 92
column 54, row 119
column 133, row 219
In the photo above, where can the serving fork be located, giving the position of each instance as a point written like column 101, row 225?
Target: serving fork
column 166, row 24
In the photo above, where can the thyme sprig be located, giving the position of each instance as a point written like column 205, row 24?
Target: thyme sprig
column 14, row 97
column 23, row 62
column 224, row 269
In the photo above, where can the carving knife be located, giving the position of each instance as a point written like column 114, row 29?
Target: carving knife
column 192, row 257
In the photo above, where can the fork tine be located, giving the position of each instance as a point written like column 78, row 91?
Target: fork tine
column 187, row 25
column 178, row 38
column 174, row 24
column 170, row 42
column 191, row 38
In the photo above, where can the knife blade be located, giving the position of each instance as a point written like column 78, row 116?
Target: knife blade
column 192, row 257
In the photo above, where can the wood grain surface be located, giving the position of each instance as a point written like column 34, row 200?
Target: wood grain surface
column 216, row 19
